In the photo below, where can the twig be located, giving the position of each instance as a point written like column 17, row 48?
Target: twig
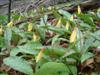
column 9, row 11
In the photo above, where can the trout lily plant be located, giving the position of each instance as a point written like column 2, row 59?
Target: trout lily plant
column 49, row 46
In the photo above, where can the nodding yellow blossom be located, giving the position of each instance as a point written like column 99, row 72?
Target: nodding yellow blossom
column 40, row 55
column 79, row 9
column 35, row 37
column 10, row 24
column 73, row 35
column 35, row 10
column 49, row 8
column 67, row 25
column 1, row 31
column 72, row 18
column 58, row 23
column 42, row 8
column 98, row 10
column 30, row 27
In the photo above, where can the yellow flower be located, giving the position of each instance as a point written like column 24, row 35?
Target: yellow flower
column 35, row 10
column 10, row 24
column 73, row 35
column 42, row 9
column 49, row 8
column 67, row 25
column 1, row 31
column 35, row 37
column 59, row 23
column 72, row 18
column 79, row 9
column 98, row 10
column 30, row 27
column 40, row 55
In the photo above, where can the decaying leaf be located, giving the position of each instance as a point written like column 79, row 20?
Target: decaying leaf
column 97, row 58
column 97, row 49
column 88, row 62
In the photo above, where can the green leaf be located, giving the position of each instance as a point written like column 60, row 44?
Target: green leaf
column 15, row 16
column 87, row 19
column 55, row 39
column 53, row 68
column 98, row 15
column 23, row 49
column 56, row 29
column 80, row 41
column 8, row 34
column 42, row 33
column 19, row 32
column 71, row 60
column 8, row 37
column 66, row 14
column 88, row 43
column 96, row 44
column 85, row 25
column 97, row 34
column 56, row 14
column 86, row 56
column 3, row 74
column 19, row 64
column 73, row 69
column 3, row 19
column 29, row 48
column 68, row 53
column 2, row 42
column 95, row 73
column 58, row 50
column 43, row 20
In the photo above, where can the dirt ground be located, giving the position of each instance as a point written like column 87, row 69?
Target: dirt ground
column 16, row 5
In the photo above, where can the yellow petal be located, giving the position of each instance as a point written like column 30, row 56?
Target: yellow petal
column 35, row 10
column 49, row 8
column 35, row 37
column 42, row 9
column 79, row 9
column 72, row 18
column 30, row 27
column 10, row 24
column 67, row 25
column 98, row 10
column 1, row 31
column 40, row 55
column 73, row 35
column 59, row 23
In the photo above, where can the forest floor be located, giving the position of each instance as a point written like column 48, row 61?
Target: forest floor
column 51, row 41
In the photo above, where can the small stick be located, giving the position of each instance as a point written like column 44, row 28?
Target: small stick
column 9, row 11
